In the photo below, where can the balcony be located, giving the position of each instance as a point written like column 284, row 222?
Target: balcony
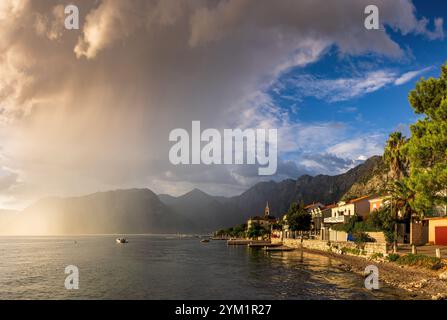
column 339, row 219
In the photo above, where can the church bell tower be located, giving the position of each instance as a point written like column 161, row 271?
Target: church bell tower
column 266, row 210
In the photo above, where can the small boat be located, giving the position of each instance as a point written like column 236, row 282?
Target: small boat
column 121, row 240
column 205, row 240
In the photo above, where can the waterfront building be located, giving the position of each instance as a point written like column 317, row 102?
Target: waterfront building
column 345, row 209
column 341, row 213
column 318, row 211
column 377, row 203
column 265, row 221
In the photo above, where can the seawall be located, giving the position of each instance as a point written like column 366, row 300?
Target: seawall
column 365, row 249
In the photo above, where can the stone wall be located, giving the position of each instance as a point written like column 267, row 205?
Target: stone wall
column 377, row 236
column 347, row 247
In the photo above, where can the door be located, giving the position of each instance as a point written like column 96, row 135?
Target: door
column 441, row 235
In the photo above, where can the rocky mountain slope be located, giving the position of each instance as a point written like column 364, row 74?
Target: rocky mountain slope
column 218, row 212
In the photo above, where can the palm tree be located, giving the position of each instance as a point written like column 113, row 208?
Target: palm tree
column 401, row 203
column 402, row 197
column 394, row 155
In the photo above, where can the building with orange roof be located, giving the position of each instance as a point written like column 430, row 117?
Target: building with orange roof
column 345, row 209
column 340, row 213
column 376, row 203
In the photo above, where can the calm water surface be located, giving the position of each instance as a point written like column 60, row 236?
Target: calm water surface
column 169, row 267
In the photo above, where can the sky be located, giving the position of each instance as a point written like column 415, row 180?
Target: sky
column 90, row 110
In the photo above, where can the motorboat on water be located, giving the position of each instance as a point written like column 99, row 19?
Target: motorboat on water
column 205, row 240
column 121, row 240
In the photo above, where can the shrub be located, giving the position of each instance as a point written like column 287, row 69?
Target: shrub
column 420, row 260
column 362, row 237
column 349, row 226
column 383, row 220
column 354, row 251
column 392, row 257
column 389, row 236
column 377, row 255
column 377, row 221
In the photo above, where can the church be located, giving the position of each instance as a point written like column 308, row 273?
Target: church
column 265, row 221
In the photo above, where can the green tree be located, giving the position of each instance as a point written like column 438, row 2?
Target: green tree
column 384, row 220
column 239, row 231
column 394, row 155
column 378, row 220
column 256, row 230
column 298, row 218
column 348, row 226
column 427, row 147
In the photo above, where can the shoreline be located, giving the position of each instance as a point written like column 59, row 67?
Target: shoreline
column 420, row 283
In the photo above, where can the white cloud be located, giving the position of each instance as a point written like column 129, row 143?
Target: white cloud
column 344, row 89
column 326, row 163
column 359, row 148
column 408, row 76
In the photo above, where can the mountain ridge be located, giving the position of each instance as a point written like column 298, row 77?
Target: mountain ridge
column 142, row 211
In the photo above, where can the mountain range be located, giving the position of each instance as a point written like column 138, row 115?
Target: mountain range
column 142, row 211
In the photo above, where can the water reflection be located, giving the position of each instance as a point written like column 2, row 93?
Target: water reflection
column 154, row 267
column 312, row 276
